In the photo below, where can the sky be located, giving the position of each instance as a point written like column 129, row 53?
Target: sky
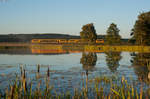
column 68, row 16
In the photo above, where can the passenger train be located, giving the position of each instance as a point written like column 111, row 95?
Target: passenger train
column 64, row 41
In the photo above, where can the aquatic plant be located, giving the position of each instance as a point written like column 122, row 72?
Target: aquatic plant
column 101, row 88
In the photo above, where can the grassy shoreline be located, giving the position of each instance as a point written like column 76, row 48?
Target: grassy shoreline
column 96, row 88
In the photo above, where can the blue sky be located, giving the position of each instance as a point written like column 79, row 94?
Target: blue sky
column 68, row 16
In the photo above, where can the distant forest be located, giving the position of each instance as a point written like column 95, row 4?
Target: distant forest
column 28, row 37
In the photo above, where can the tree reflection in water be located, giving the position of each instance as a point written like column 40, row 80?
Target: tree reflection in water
column 141, row 64
column 112, row 60
column 88, row 60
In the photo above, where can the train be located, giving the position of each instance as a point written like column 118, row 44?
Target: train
column 64, row 41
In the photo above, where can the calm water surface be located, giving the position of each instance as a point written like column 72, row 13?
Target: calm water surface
column 69, row 71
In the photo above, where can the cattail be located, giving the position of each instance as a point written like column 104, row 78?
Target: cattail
column 122, row 79
column 12, row 92
column 38, row 68
column 21, row 70
column 141, row 92
column 24, row 74
column 149, row 75
column 48, row 72
column 24, row 81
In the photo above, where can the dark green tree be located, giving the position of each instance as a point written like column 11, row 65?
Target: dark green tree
column 141, row 29
column 88, row 33
column 112, row 60
column 113, row 37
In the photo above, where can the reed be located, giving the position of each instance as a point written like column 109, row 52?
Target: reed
column 38, row 68
column 104, row 88
column 48, row 75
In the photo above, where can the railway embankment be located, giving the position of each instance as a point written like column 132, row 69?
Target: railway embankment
column 77, row 47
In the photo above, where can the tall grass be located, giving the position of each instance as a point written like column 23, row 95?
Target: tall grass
column 21, row 88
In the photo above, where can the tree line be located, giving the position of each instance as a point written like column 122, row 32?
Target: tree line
column 140, row 32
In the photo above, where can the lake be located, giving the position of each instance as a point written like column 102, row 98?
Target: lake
column 70, row 70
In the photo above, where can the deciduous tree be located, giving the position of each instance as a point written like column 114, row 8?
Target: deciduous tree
column 141, row 29
column 113, row 37
column 88, row 33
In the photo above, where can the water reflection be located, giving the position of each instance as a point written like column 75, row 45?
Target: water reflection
column 16, row 51
column 65, row 69
column 112, row 60
column 141, row 64
column 88, row 60
column 40, row 50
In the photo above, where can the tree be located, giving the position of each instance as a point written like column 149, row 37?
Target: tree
column 88, row 33
column 141, row 29
column 113, row 36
